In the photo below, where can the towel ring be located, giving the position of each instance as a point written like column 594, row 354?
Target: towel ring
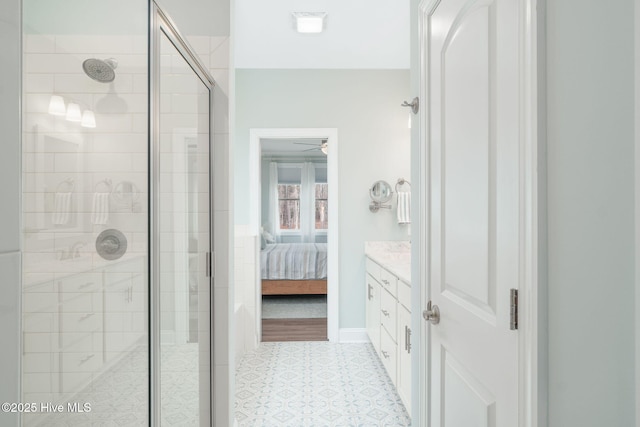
column 105, row 184
column 401, row 182
column 69, row 186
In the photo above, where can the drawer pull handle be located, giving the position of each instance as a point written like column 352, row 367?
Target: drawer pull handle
column 385, row 354
column 86, row 285
column 369, row 296
column 385, row 281
column 86, row 316
column 86, row 359
column 407, row 339
column 385, row 312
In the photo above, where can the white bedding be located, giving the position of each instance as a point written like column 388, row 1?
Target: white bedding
column 294, row 261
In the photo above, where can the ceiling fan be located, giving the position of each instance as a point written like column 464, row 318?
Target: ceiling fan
column 322, row 147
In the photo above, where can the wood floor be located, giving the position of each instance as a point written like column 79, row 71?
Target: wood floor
column 294, row 329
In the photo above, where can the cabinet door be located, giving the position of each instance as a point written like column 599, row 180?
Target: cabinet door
column 404, row 356
column 373, row 312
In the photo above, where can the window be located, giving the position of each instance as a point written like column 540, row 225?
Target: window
column 302, row 198
column 289, row 203
column 322, row 207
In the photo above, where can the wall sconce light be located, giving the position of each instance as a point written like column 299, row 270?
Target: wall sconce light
column 309, row 22
column 73, row 112
column 88, row 119
column 56, row 106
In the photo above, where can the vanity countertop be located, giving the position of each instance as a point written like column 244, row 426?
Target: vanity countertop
column 393, row 256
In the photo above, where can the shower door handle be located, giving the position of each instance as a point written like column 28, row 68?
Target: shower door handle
column 209, row 268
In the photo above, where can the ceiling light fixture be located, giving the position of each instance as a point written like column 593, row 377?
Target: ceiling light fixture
column 324, row 147
column 309, row 22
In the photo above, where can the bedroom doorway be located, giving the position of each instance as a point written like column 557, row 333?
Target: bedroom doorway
column 294, row 204
column 293, row 251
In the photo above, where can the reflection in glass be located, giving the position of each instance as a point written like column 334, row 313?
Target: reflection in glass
column 84, row 317
column 184, row 242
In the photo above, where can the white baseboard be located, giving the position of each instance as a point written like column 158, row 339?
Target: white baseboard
column 353, row 335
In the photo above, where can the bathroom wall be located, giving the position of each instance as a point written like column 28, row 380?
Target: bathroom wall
column 246, row 264
column 591, row 218
column 373, row 136
column 10, row 58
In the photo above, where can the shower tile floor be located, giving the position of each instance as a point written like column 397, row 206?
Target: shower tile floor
column 298, row 384
column 119, row 397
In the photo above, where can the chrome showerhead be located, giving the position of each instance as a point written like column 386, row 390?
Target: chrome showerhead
column 100, row 70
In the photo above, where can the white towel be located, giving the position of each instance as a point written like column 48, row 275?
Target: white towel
column 100, row 208
column 404, row 207
column 61, row 208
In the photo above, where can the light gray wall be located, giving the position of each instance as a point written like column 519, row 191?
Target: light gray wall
column 590, row 136
column 374, row 143
column 10, row 54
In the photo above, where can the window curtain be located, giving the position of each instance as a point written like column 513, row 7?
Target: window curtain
column 274, row 207
column 308, row 203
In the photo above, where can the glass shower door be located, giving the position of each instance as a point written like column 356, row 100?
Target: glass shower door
column 85, row 214
column 183, row 278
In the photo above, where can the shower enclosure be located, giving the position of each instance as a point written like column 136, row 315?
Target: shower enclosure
column 117, row 236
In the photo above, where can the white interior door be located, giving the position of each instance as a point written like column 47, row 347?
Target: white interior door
column 475, row 250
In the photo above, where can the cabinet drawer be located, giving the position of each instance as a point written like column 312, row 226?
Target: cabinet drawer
column 404, row 294
column 80, row 322
column 75, row 302
column 373, row 269
column 81, row 342
column 389, row 281
column 388, row 313
column 388, row 350
column 87, row 282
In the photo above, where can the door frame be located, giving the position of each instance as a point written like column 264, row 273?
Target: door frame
column 529, row 314
column 255, row 201
column 161, row 23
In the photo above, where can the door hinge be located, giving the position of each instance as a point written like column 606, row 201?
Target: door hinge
column 514, row 309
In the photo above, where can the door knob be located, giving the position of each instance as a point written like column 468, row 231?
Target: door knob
column 432, row 314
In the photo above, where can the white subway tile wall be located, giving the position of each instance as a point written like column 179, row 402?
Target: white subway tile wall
column 82, row 314
column 245, row 268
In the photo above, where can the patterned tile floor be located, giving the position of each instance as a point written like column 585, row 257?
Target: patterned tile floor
column 300, row 384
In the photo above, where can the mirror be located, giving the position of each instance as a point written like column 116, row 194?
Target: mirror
column 380, row 192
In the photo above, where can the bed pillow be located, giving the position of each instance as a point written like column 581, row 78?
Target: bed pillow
column 268, row 237
column 263, row 242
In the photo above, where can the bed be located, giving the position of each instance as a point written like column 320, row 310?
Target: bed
column 294, row 269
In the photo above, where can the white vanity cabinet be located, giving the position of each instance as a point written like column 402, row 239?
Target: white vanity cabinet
column 389, row 324
column 124, row 289
column 373, row 312
column 76, row 325
column 403, row 383
column 80, row 326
